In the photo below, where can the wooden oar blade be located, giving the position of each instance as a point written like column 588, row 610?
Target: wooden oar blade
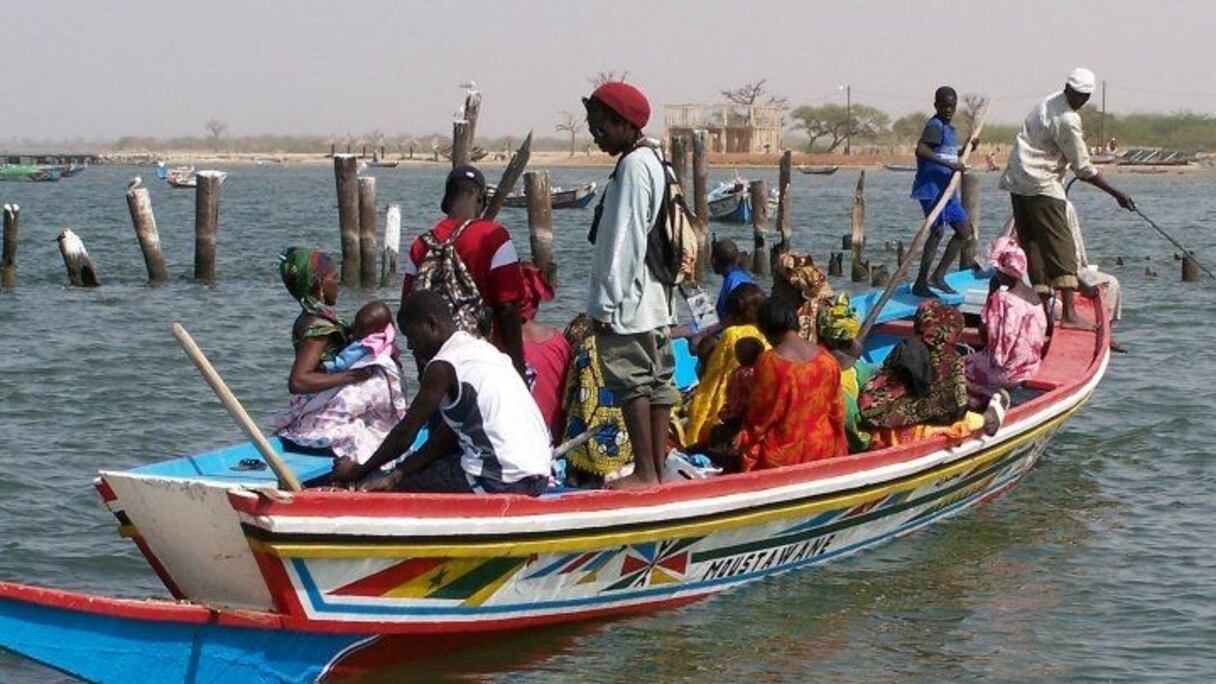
column 510, row 177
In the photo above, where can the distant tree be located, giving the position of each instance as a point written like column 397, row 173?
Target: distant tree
column 375, row 138
column 572, row 125
column 907, row 128
column 603, row 77
column 831, row 122
column 968, row 109
column 215, row 128
column 748, row 93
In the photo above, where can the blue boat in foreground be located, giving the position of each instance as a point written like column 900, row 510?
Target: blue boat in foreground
column 314, row 585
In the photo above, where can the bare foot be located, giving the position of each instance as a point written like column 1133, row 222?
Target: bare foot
column 631, row 482
column 940, row 284
column 921, row 289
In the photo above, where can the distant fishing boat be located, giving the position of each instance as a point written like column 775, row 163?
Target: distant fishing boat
column 178, row 177
column 900, row 168
column 819, row 170
column 384, row 164
column 731, row 202
column 574, row 198
column 29, row 173
column 325, row 583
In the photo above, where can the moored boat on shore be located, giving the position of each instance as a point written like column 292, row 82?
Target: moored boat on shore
column 300, row 586
column 574, row 198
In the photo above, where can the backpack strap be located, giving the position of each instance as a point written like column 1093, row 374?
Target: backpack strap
column 593, row 233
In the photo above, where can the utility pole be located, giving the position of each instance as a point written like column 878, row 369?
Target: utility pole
column 848, row 119
column 1102, row 122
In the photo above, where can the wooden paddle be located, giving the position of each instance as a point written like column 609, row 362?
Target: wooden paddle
column 287, row 479
column 510, row 176
column 918, row 242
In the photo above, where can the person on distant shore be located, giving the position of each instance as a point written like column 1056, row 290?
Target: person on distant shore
column 937, row 160
column 795, row 413
column 630, row 308
column 1050, row 142
column 488, row 256
column 1013, row 328
column 546, row 351
column 490, row 437
column 346, row 411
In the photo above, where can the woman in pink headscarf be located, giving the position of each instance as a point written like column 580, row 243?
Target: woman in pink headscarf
column 1013, row 327
column 546, row 351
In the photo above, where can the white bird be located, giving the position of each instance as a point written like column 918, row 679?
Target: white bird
column 135, row 182
column 362, row 167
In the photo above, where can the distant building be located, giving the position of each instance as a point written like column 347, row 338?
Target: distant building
column 732, row 128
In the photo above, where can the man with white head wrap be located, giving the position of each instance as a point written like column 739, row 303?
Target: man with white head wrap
column 1050, row 142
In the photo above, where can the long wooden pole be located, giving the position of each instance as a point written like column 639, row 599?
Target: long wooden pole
column 139, row 203
column 81, row 272
column 510, row 177
column 700, row 195
column 367, row 232
column 758, row 190
column 783, row 207
column 392, row 245
column 540, row 223
column 287, row 479
column 919, row 241
column 8, row 264
column 206, row 223
column 346, row 177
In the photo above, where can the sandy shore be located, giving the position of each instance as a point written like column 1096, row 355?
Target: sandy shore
column 552, row 159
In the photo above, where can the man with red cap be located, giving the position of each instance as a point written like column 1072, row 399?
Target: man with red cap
column 630, row 307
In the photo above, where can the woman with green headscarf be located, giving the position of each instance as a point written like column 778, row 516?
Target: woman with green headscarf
column 837, row 326
column 348, row 411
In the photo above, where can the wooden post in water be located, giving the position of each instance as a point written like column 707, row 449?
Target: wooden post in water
column 367, row 233
column 783, row 207
column 472, row 110
column 679, row 159
column 81, row 272
column 700, row 194
column 206, row 223
column 857, row 232
column 836, row 263
column 1190, row 268
column 462, row 145
column 879, row 275
column 510, row 176
column 540, row 223
column 8, row 263
column 759, row 200
column 392, row 245
column 139, row 203
column 971, row 204
column 345, row 174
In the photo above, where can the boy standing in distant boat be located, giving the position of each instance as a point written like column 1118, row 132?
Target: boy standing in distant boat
column 937, row 160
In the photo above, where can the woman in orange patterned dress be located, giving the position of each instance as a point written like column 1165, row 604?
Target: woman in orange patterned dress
column 796, row 411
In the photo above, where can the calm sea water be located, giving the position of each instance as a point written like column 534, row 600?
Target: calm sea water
column 1100, row 566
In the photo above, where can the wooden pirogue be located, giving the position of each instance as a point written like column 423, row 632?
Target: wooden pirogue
column 323, row 583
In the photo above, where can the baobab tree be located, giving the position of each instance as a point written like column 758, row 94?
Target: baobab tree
column 215, row 128
column 605, row 76
column 570, row 124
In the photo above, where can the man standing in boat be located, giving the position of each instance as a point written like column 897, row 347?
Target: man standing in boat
column 630, row 307
column 1050, row 142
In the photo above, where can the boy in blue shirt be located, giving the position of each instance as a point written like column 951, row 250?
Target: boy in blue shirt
column 936, row 161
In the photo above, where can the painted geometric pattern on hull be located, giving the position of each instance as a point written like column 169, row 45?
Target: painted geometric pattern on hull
column 460, row 587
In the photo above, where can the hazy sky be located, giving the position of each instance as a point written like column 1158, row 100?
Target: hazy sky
column 103, row 69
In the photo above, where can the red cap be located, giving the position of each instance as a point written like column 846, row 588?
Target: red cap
column 625, row 100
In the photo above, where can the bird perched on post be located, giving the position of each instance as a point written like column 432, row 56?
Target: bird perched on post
column 134, row 182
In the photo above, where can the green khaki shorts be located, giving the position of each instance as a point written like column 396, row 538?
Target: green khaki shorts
column 1043, row 232
column 638, row 366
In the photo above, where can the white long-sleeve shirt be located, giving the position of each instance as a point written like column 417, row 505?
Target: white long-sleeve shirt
column 1051, row 140
column 623, row 293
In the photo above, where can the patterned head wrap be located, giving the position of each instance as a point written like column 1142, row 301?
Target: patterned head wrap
column 797, row 276
column 536, row 291
column 1008, row 258
column 301, row 270
column 838, row 322
column 939, row 325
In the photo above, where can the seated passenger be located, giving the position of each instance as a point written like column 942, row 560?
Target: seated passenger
column 803, row 287
column 491, row 438
column 1013, row 327
column 724, row 260
column 372, row 333
column 709, row 396
column 719, row 440
column 546, row 351
column 922, row 380
column 347, row 411
column 795, row 413
column 838, row 326
column 588, row 403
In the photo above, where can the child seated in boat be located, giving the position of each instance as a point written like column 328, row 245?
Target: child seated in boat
column 742, row 306
column 347, row 411
column 487, row 435
column 1012, row 325
column 718, row 442
column 795, row 413
column 546, row 351
column 372, row 332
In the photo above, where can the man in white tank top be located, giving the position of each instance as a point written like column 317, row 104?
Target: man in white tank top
column 487, row 435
